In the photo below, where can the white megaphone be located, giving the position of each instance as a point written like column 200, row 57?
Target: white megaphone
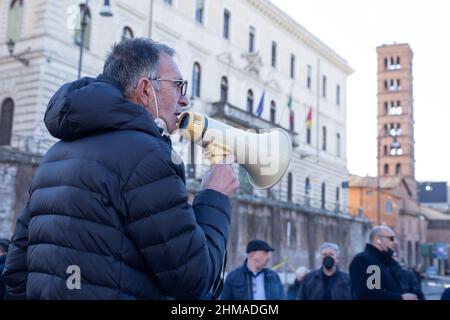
column 264, row 156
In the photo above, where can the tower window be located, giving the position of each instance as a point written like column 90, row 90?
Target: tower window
column 398, row 169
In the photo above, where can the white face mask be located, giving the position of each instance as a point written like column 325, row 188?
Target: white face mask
column 159, row 121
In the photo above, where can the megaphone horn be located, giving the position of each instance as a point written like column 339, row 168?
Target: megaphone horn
column 265, row 156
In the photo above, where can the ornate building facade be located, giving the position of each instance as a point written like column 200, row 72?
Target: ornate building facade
column 233, row 53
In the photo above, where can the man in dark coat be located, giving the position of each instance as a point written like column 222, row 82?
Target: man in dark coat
column 371, row 271
column 253, row 281
column 327, row 282
column 108, row 215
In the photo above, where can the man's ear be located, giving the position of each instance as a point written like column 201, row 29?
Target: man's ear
column 143, row 91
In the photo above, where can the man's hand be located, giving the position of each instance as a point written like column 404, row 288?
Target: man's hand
column 221, row 178
column 409, row 296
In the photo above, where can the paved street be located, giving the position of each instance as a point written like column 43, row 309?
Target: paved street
column 433, row 289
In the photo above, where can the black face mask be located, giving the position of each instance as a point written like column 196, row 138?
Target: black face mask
column 328, row 262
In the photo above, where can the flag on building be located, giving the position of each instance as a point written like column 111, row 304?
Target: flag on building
column 289, row 104
column 309, row 118
column 260, row 109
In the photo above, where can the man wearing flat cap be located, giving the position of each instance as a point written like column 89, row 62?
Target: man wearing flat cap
column 253, row 281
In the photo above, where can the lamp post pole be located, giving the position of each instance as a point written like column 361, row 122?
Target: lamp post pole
column 105, row 11
column 83, row 31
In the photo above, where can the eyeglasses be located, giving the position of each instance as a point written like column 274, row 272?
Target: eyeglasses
column 182, row 84
column 392, row 238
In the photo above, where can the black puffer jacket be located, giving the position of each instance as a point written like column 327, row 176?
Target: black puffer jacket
column 362, row 274
column 109, row 199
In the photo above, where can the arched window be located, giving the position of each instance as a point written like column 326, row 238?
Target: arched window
column 398, row 169
column 127, row 33
column 307, row 187
column 6, row 121
column 324, row 138
column 87, row 33
column 338, row 145
column 273, row 111
column 386, row 108
column 196, row 78
column 250, row 100
column 385, row 152
column 289, row 188
column 323, row 195
column 224, row 89
column 15, row 18
column 386, row 169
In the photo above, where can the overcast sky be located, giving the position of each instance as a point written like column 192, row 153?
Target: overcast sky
column 354, row 28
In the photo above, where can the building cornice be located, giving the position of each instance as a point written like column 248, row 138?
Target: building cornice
column 298, row 31
column 168, row 30
column 126, row 7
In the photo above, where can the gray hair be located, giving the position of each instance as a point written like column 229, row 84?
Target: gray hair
column 330, row 245
column 132, row 59
column 377, row 230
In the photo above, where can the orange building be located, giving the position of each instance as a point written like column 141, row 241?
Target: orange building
column 363, row 200
column 395, row 207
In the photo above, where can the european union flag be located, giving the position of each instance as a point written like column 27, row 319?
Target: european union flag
column 260, row 109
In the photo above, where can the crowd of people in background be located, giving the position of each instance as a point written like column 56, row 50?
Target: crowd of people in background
column 374, row 274
column 255, row 281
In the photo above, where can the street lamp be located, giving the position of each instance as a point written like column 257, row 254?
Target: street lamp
column 11, row 45
column 105, row 11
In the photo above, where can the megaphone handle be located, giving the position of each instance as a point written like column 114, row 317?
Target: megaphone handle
column 216, row 153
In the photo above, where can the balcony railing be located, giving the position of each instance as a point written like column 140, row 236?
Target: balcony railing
column 246, row 120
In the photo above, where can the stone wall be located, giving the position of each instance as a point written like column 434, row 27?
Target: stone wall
column 16, row 172
column 306, row 227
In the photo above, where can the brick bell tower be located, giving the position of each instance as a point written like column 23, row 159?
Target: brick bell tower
column 395, row 112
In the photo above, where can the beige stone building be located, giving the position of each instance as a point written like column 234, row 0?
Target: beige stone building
column 231, row 52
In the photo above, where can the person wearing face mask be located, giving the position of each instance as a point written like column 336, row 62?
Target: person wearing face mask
column 328, row 282
column 253, row 280
column 108, row 215
column 373, row 271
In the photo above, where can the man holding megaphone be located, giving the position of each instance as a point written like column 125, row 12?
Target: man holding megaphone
column 108, row 215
